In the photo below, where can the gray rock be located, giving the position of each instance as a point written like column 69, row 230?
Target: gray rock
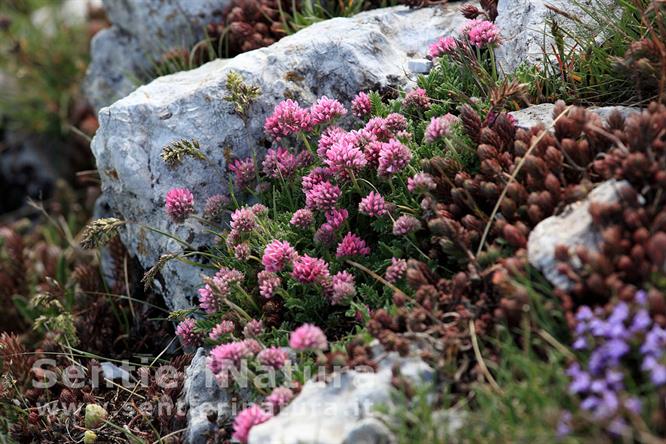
column 202, row 397
column 124, row 55
column 341, row 411
column 338, row 58
column 543, row 113
column 573, row 228
column 525, row 30
column 420, row 66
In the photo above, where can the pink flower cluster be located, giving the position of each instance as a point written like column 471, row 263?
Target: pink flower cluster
column 221, row 329
column 344, row 158
column 253, row 328
column 308, row 337
column 277, row 255
column 243, row 220
column 272, row 357
column 372, row 205
column 279, row 398
column 322, row 196
column 314, row 177
column 418, row 99
column 280, row 163
column 225, row 356
column 481, row 32
column 218, row 288
column 396, row 270
column 247, row 419
column 214, row 207
column 421, row 183
column 352, row 245
column 406, row 224
column 179, row 204
column 361, row 106
column 445, row 45
column 288, row 118
column 244, row 170
column 308, row 270
column 185, row 331
column 343, row 286
column 440, row 127
column 393, row 158
column 302, row 218
column 326, row 110
column 268, row 283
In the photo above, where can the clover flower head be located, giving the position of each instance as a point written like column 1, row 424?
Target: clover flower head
column 214, row 207
column 325, row 234
column 344, row 158
column 372, row 151
column 396, row 270
column 221, row 329
column 352, row 245
column 253, row 328
column 288, row 118
column 279, row 163
column 302, row 218
column 247, row 419
column 343, row 286
column 440, row 127
column 308, row 337
column 272, row 357
column 326, row 110
column 377, row 129
column 406, row 224
column 393, row 157
column 396, row 122
column 225, row 356
column 317, row 175
column 445, row 45
column 361, row 105
column 372, row 205
column 328, row 137
column 179, row 204
column 243, row 220
column 268, row 283
column 279, row 398
column 309, row 270
column 242, row 251
column 207, row 299
column 259, row 209
column 420, row 183
column 336, row 217
column 322, row 196
column 277, row 255
column 417, row 98
column 244, row 170
column 185, row 331
column 482, row 33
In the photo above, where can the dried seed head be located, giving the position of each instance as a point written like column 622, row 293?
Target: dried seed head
column 99, row 232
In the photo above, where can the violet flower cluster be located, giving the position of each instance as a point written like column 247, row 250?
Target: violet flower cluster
column 614, row 341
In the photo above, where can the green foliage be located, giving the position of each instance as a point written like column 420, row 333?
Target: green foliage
column 587, row 66
column 46, row 65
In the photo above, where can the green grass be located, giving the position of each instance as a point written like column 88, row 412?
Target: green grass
column 47, row 68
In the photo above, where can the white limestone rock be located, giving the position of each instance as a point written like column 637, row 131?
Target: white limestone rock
column 341, row 411
column 525, row 30
column 142, row 31
column 572, row 228
column 543, row 113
